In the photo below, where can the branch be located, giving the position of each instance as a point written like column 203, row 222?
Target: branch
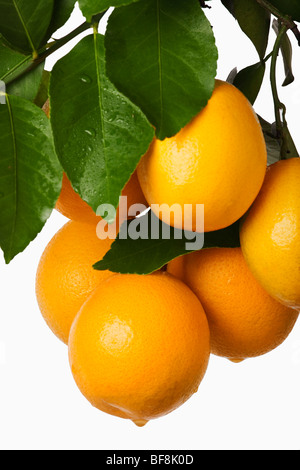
column 63, row 41
column 284, row 19
column 203, row 4
column 47, row 50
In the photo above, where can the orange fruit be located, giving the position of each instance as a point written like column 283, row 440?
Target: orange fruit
column 219, row 159
column 139, row 347
column 73, row 207
column 65, row 276
column 244, row 320
column 270, row 233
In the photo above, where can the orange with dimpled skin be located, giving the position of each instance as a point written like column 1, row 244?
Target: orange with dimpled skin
column 244, row 320
column 65, row 276
column 270, row 233
column 73, row 207
column 139, row 347
column 219, row 159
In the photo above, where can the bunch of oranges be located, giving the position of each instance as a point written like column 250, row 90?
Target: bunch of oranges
column 139, row 346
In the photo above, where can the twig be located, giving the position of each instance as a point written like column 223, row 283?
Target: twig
column 47, row 50
column 284, row 19
column 203, row 4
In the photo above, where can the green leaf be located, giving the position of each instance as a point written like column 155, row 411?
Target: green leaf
column 288, row 7
column 16, row 74
column 249, row 80
column 27, row 85
column 254, row 21
column 24, row 23
column 61, row 13
column 43, row 91
column 272, row 142
column 287, row 55
column 146, row 255
column 91, row 8
column 100, row 135
column 12, row 62
column 30, row 174
column 162, row 55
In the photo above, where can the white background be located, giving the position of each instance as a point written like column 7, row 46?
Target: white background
column 253, row 405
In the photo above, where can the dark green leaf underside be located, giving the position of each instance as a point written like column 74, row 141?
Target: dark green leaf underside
column 91, row 8
column 249, row 80
column 61, row 13
column 273, row 144
column 146, row 255
column 12, row 63
column 27, row 85
column 253, row 20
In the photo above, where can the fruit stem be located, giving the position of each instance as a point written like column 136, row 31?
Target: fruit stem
column 288, row 147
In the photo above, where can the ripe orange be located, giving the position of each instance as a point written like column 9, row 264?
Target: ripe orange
column 244, row 320
column 73, row 207
column 139, row 347
column 65, row 276
column 270, row 233
column 219, row 159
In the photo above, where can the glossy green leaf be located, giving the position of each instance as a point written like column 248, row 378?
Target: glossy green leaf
column 146, row 255
column 43, row 91
column 91, row 8
column 162, row 55
column 16, row 74
column 30, row 174
column 24, row 23
column 12, row 63
column 253, row 20
column 249, row 80
column 27, row 85
column 100, row 135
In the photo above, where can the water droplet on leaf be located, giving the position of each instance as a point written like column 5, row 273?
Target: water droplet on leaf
column 90, row 132
column 86, row 79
